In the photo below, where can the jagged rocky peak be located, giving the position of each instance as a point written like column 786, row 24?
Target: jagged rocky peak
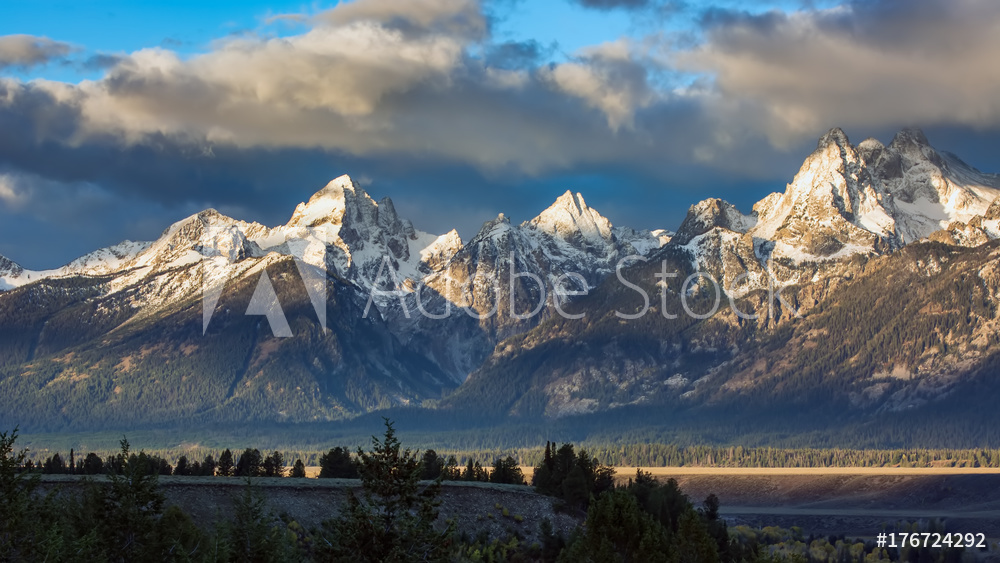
column 207, row 233
column 835, row 136
column 871, row 149
column 339, row 200
column 494, row 227
column 390, row 222
column 444, row 248
column 993, row 212
column 709, row 214
column 908, row 138
column 569, row 218
column 634, row 241
column 9, row 267
column 913, row 147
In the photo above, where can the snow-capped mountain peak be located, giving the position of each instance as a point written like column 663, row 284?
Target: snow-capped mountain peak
column 11, row 273
column 341, row 196
column 570, row 218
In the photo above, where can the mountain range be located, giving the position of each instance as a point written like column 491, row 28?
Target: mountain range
column 868, row 286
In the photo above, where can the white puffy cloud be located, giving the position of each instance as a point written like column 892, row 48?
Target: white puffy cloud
column 28, row 50
column 607, row 77
column 457, row 18
column 371, row 77
column 868, row 64
column 424, row 79
column 11, row 195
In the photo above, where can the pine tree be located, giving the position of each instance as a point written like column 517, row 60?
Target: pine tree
column 618, row 530
column 133, row 503
column 226, row 468
column 298, row 470
column 250, row 464
column 451, row 470
column 182, row 467
column 208, row 466
column 54, row 465
column 506, row 471
column 432, row 465
column 337, row 464
column 17, row 492
column 92, row 464
column 394, row 521
column 274, row 465
column 254, row 534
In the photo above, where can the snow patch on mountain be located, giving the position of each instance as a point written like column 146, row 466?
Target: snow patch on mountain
column 106, row 260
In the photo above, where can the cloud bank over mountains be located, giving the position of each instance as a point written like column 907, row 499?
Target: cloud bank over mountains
column 376, row 83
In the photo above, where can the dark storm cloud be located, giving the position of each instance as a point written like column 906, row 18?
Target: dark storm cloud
column 516, row 55
column 101, row 61
column 25, row 51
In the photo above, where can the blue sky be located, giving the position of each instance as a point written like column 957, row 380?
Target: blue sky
column 118, row 118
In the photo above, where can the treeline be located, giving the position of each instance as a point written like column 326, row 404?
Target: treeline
column 336, row 463
column 251, row 463
column 339, row 462
column 669, row 455
column 393, row 516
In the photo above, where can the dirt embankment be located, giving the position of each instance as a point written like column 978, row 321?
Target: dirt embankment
column 475, row 507
column 852, row 504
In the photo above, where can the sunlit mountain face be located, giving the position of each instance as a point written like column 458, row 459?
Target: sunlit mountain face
column 270, row 213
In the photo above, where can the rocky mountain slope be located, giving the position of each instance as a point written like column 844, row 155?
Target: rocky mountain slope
column 866, row 286
column 142, row 332
column 837, row 293
column 846, row 201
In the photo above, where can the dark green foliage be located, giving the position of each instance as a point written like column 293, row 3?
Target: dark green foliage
column 474, row 472
column 394, row 520
column 182, row 468
column 337, row 464
column 179, row 539
column 54, row 465
column 207, row 467
column 226, row 467
column 274, row 465
column 552, row 543
column 19, row 535
column 250, row 464
column 432, row 465
column 451, row 470
column 92, row 464
column 507, row 470
column 298, row 470
column 664, row 501
column 571, row 476
column 255, row 535
column 617, row 530
column 132, row 503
